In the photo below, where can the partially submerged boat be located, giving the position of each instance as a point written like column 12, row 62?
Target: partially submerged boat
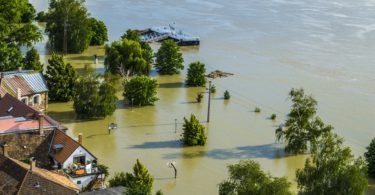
column 161, row 33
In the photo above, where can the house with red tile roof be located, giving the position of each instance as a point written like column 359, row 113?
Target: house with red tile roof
column 27, row 86
column 27, row 133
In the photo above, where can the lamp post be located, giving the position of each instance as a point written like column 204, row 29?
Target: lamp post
column 172, row 164
column 132, row 104
column 209, row 101
column 175, row 125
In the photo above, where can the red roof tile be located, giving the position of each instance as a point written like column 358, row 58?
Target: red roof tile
column 8, row 125
column 70, row 146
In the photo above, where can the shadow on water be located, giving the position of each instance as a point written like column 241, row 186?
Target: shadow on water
column 172, row 85
column 82, row 58
column 69, row 117
column 95, row 135
column 158, row 145
column 270, row 151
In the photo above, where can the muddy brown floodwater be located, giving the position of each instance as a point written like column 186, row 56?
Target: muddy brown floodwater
column 271, row 46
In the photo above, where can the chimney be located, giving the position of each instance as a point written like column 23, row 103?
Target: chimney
column 80, row 138
column 5, row 149
column 41, row 121
column 19, row 68
column 32, row 164
column 18, row 93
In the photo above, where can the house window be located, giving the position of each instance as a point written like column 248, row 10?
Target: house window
column 36, row 99
column 24, row 100
column 79, row 160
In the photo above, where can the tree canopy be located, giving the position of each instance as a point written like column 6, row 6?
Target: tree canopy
column 140, row 182
column 332, row 169
column 169, row 58
column 32, row 61
column 69, row 17
column 125, row 57
column 196, row 75
column 194, row 132
column 147, row 52
column 99, row 32
column 370, row 158
column 302, row 128
column 140, row 90
column 246, row 177
column 94, row 98
column 60, row 79
column 16, row 30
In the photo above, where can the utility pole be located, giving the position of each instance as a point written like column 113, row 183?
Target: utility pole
column 175, row 125
column 65, row 44
column 209, row 101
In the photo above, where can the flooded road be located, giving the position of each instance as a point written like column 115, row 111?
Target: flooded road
column 271, row 46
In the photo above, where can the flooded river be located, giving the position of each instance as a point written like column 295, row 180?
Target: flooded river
column 270, row 46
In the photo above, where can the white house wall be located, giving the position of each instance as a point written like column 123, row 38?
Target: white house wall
column 84, row 181
column 78, row 151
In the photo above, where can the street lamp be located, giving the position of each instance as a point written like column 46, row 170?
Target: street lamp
column 172, row 164
column 111, row 126
column 175, row 125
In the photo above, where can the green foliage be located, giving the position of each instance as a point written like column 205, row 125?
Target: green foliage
column 16, row 30
column 194, row 133
column 99, row 32
column 140, row 182
column 104, row 169
column 213, row 89
column 332, row 169
column 246, row 177
column 125, row 57
column 73, row 15
column 169, row 58
column 94, row 98
column 226, row 95
column 199, row 97
column 147, row 52
column 141, row 90
column 41, row 17
column 370, row 158
column 303, row 128
column 257, row 110
column 60, row 79
column 119, row 179
column 159, row 192
column 10, row 58
column 196, row 74
column 273, row 116
column 32, row 61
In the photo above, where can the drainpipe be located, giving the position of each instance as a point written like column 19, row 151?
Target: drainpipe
column 5, row 150
column 40, row 121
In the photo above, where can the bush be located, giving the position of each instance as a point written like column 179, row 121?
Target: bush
column 141, row 90
column 226, row 95
column 370, row 158
column 196, row 74
column 169, row 58
column 194, row 133
column 213, row 89
column 257, row 110
column 273, row 116
column 199, row 97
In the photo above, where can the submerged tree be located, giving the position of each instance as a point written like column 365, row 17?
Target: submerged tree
column 68, row 26
column 125, row 57
column 99, row 32
column 141, row 90
column 332, row 169
column 94, row 98
column 146, row 49
column 60, row 79
column 169, row 58
column 194, row 133
column 196, row 75
column 139, row 182
column 32, row 61
column 247, row 177
column 303, row 128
